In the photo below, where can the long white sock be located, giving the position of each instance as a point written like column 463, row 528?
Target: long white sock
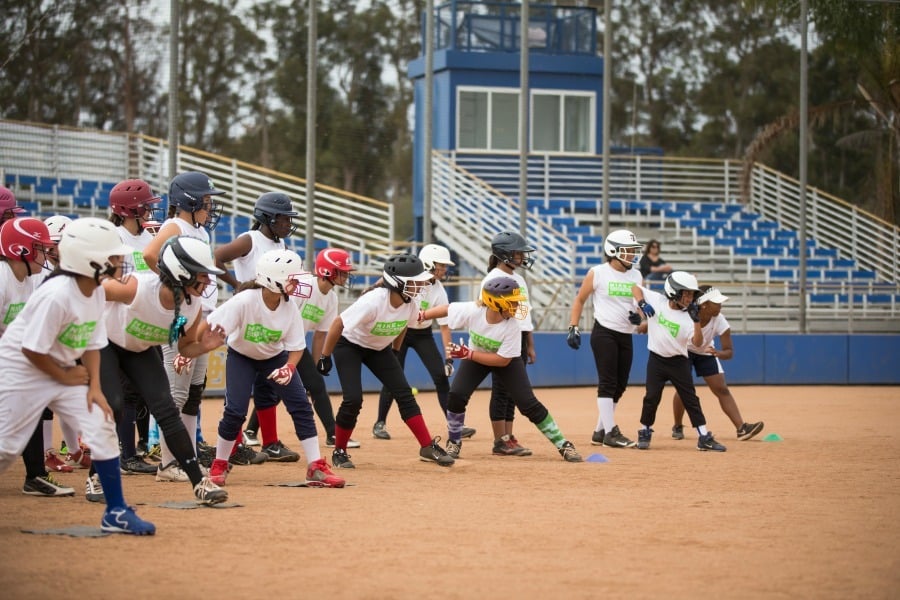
column 165, row 454
column 190, row 423
column 599, row 426
column 607, row 413
column 702, row 430
column 223, row 448
column 311, row 449
column 48, row 434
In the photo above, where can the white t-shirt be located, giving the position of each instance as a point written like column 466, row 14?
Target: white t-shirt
column 254, row 330
column 524, row 324
column 612, row 297
column 435, row 295
column 145, row 323
column 57, row 320
column 13, row 294
column 371, row 321
column 716, row 327
column 245, row 266
column 668, row 330
column 503, row 339
column 138, row 242
column 319, row 310
column 211, row 294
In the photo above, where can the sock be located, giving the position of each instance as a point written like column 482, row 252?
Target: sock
column 125, row 429
column 417, row 425
column 190, row 424
column 607, row 413
column 111, row 480
column 702, row 430
column 551, row 431
column 199, row 437
column 341, row 436
column 311, row 449
column 268, row 425
column 224, row 448
column 152, row 432
column 48, row 433
column 70, row 436
column 165, row 454
column 234, row 447
column 455, row 422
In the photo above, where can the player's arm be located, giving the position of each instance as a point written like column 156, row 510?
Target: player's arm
column 151, row 251
column 584, row 292
column 91, row 361
column 77, row 375
column 240, row 246
column 118, row 291
column 727, row 350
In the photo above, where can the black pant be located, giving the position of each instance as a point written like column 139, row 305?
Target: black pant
column 676, row 369
column 349, row 359
column 515, row 382
column 613, row 354
column 422, row 341
column 502, row 406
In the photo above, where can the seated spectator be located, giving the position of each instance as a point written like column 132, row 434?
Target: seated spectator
column 653, row 267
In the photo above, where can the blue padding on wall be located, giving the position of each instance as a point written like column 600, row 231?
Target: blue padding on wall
column 873, row 359
column 805, row 359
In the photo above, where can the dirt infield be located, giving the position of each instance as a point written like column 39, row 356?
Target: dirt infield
column 815, row 515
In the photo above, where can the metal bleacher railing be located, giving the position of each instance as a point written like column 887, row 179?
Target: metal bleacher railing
column 35, row 152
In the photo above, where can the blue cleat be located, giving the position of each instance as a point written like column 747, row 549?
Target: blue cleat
column 125, row 520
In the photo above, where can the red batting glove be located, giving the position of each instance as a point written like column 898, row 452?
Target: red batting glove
column 181, row 363
column 283, row 375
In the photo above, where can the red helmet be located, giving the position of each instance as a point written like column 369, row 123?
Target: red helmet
column 132, row 198
column 331, row 261
column 20, row 239
column 8, row 207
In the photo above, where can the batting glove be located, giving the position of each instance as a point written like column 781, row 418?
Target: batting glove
column 574, row 337
column 693, row 310
column 448, row 367
column 324, row 365
column 459, row 350
column 181, row 363
column 646, row 308
column 283, row 375
column 634, row 318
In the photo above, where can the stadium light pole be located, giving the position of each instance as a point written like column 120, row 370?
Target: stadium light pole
column 523, row 119
column 428, row 121
column 607, row 82
column 311, row 72
column 173, row 90
column 804, row 151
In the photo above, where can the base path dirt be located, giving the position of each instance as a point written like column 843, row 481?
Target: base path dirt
column 816, row 515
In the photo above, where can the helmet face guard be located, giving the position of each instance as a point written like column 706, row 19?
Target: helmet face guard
column 300, row 289
column 504, row 295
column 513, row 250
column 406, row 275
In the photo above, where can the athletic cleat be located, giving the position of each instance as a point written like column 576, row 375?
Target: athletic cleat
column 278, row 452
column 136, row 466
column 248, row 438
column 154, row 453
column 615, row 439
column 467, row 432
column 708, row 442
column 318, row 474
column 245, row 455
column 55, row 464
column 80, row 459
column 523, row 451
column 749, row 430
column 434, row 453
column 379, row 432
column 341, row 460
column 677, row 432
column 205, row 455
column 218, row 472
column 124, row 520
column 569, row 453
column 329, row 442
column 93, row 491
column 597, row 438
column 171, row 472
column 45, row 485
column 208, row 493
column 644, row 436
column 454, row 448
column 504, row 447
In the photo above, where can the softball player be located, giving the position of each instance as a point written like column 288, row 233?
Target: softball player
column 496, row 349
column 193, row 211
column 52, row 351
column 436, row 259
column 705, row 359
column 510, row 251
column 265, row 336
column 672, row 325
column 609, row 287
column 363, row 335
column 9, row 208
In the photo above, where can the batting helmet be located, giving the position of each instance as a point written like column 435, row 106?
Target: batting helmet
column 506, row 243
column 402, row 270
column 330, row 262
column 132, row 199
column 678, row 282
column 183, row 258
column 86, row 246
column 22, row 239
column 622, row 245
column 500, row 293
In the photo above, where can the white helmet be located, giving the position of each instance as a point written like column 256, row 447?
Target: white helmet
column 87, row 244
column 622, row 244
column 277, row 268
column 434, row 253
column 680, row 281
column 56, row 224
column 182, row 258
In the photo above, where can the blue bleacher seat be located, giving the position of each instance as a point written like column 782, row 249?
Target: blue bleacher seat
column 836, row 274
column 880, row 298
column 692, row 223
column 843, row 263
column 822, row 298
column 792, row 263
column 588, row 206
column 746, row 250
column 773, row 251
column 767, row 225
column 27, row 181
column 860, row 274
column 728, row 242
column 782, row 274
column 763, row 262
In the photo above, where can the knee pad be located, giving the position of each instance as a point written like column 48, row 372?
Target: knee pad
column 195, row 395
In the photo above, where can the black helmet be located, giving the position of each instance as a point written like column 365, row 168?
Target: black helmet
column 187, row 190
column 506, row 243
column 270, row 205
column 401, row 269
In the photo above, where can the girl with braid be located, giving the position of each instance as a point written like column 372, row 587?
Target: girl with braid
column 150, row 310
column 496, row 350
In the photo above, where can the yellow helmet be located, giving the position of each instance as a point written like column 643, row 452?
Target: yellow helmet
column 500, row 293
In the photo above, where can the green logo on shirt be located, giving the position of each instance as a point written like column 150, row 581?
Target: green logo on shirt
column 12, row 311
column 486, row 344
column 139, row 263
column 312, row 313
column 257, row 334
column 425, row 304
column 388, row 328
column 147, row 332
column 619, row 288
column 77, row 336
column 672, row 326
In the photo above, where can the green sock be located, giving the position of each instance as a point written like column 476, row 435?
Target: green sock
column 551, row 430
